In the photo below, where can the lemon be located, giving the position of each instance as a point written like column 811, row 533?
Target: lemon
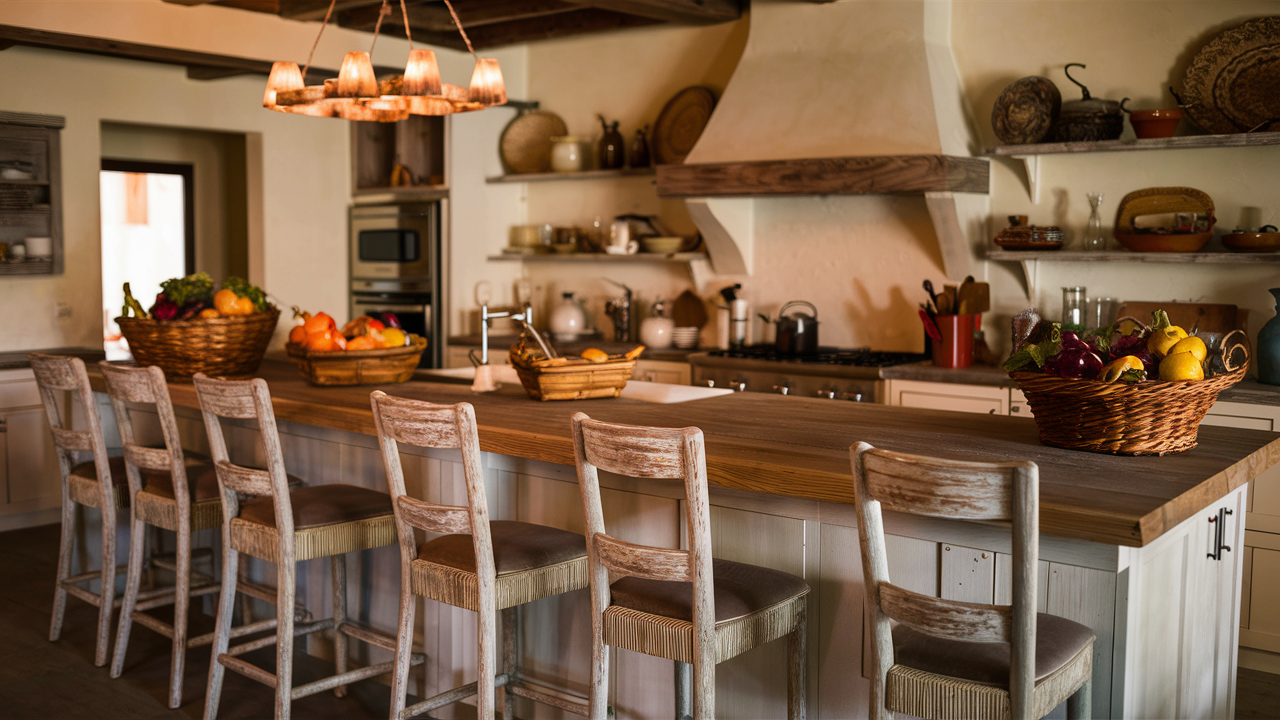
column 1161, row 341
column 394, row 337
column 1181, row 366
column 1119, row 366
column 1193, row 345
column 595, row 355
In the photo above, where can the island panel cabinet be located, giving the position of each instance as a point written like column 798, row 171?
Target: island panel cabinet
column 984, row 399
column 30, row 489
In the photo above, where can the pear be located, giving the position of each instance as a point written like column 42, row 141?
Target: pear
column 1162, row 341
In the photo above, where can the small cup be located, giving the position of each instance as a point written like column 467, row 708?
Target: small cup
column 39, row 247
column 956, row 348
column 18, row 252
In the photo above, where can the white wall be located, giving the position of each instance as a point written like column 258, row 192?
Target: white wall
column 298, row 251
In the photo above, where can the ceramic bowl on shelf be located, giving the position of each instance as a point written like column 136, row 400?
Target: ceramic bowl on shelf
column 1164, row 242
column 662, row 245
column 1252, row 242
column 1155, row 123
column 685, row 337
column 1021, row 236
column 564, row 248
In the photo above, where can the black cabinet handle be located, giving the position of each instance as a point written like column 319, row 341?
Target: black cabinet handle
column 1219, row 533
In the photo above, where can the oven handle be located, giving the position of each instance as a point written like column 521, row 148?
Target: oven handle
column 394, row 307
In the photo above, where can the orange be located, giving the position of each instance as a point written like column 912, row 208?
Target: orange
column 210, row 313
column 324, row 340
column 298, row 335
column 378, row 340
column 319, row 322
column 225, row 301
column 364, row 342
column 245, row 306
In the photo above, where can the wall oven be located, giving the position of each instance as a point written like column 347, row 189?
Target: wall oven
column 395, row 269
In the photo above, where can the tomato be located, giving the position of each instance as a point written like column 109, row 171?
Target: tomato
column 364, row 342
column 318, row 322
column 375, row 325
column 298, row 335
column 325, row 340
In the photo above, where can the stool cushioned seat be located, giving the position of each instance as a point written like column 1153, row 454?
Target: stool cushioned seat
column 327, row 520
column 531, row 561
column 1058, row 641
column 517, row 546
column 84, row 480
column 740, row 590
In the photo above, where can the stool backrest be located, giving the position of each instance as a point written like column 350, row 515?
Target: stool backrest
column 430, row 425
column 648, row 452
column 246, row 400
column 146, row 385
column 917, row 485
column 56, row 373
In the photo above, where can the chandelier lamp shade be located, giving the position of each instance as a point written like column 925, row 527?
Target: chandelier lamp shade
column 357, row 94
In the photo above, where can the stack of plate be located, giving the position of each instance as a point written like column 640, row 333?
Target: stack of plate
column 685, row 337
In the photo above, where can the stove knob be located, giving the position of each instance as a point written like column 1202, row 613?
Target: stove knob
column 783, row 389
column 828, row 393
column 709, row 383
column 738, row 385
column 855, row 396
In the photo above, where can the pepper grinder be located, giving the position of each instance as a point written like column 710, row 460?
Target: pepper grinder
column 620, row 310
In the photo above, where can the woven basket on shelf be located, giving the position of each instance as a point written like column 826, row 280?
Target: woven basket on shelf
column 225, row 346
column 1120, row 418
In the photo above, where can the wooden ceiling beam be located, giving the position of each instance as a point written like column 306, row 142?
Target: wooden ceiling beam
column 683, row 12
column 316, row 9
column 434, row 16
column 501, row 34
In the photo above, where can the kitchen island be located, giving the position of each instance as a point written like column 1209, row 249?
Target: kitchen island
column 1124, row 547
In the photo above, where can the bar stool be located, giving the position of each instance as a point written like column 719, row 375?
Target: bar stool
column 285, row 527
column 480, row 565
column 99, row 483
column 951, row 659
column 678, row 604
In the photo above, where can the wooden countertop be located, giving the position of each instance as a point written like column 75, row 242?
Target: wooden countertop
column 799, row 447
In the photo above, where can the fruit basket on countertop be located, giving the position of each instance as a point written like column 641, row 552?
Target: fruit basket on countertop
column 364, row 352
column 1080, row 403
column 595, row 374
column 190, row 329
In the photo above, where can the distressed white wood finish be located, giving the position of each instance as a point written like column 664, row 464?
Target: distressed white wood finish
column 968, row 574
column 427, row 425
column 250, row 400
column 937, row 487
column 128, row 385
column 662, row 453
column 66, row 374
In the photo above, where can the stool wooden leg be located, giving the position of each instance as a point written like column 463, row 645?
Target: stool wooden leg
column 181, row 609
column 598, row 695
column 486, row 636
column 404, row 644
column 107, row 596
column 1080, row 704
column 684, row 690
column 65, row 546
column 338, row 565
column 704, row 686
column 137, row 541
column 222, row 630
column 286, row 591
column 510, row 653
column 797, row 669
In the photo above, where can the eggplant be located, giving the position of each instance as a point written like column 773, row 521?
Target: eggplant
column 1076, row 362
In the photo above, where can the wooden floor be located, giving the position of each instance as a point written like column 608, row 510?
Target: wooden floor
column 39, row 679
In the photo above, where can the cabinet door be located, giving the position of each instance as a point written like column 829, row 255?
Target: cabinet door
column 671, row 373
column 1210, row 623
column 32, row 464
column 949, row 396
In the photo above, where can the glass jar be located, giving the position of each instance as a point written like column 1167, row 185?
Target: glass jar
column 568, row 154
column 1073, row 307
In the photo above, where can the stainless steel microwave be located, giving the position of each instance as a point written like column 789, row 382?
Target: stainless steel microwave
column 395, row 242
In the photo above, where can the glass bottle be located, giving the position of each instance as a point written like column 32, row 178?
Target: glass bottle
column 1073, row 307
column 1095, row 237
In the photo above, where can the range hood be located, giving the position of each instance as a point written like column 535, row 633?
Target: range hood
column 848, row 97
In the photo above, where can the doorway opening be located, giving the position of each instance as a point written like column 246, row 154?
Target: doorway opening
column 148, row 234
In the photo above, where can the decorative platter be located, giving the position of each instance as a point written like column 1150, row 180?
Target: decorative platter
column 525, row 145
column 1233, row 84
column 681, row 123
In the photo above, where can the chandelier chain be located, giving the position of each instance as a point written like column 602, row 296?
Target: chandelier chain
column 316, row 44
column 404, row 13
column 383, row 12
column 462, row 32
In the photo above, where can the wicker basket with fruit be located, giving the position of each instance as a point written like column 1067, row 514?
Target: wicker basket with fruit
column 1140, row 392
column 191, row 329
column 593, row 374
column 364, row 352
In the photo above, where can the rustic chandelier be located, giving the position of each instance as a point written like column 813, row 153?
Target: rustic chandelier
column 357, row 95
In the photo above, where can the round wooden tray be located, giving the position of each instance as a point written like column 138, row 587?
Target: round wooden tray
column 525, row 145
column 681, row 123
column 1233, row 83
column 383, row 366
column 1026, row 110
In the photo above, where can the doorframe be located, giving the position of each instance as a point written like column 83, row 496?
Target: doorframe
column 187, row 171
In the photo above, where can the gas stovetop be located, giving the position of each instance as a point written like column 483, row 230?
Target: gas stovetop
column 852, row 357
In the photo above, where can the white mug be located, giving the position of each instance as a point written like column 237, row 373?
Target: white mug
column 39, row 247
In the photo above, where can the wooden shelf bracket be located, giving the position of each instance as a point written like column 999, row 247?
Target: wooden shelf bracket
column 1031, row 171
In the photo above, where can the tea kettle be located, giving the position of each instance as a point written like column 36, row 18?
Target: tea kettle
column 1088, row 119
column 797, row 334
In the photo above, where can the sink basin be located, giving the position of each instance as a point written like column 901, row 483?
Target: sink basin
column 661, row 393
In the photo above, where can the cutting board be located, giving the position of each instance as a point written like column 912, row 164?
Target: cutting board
column 1219, row 318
